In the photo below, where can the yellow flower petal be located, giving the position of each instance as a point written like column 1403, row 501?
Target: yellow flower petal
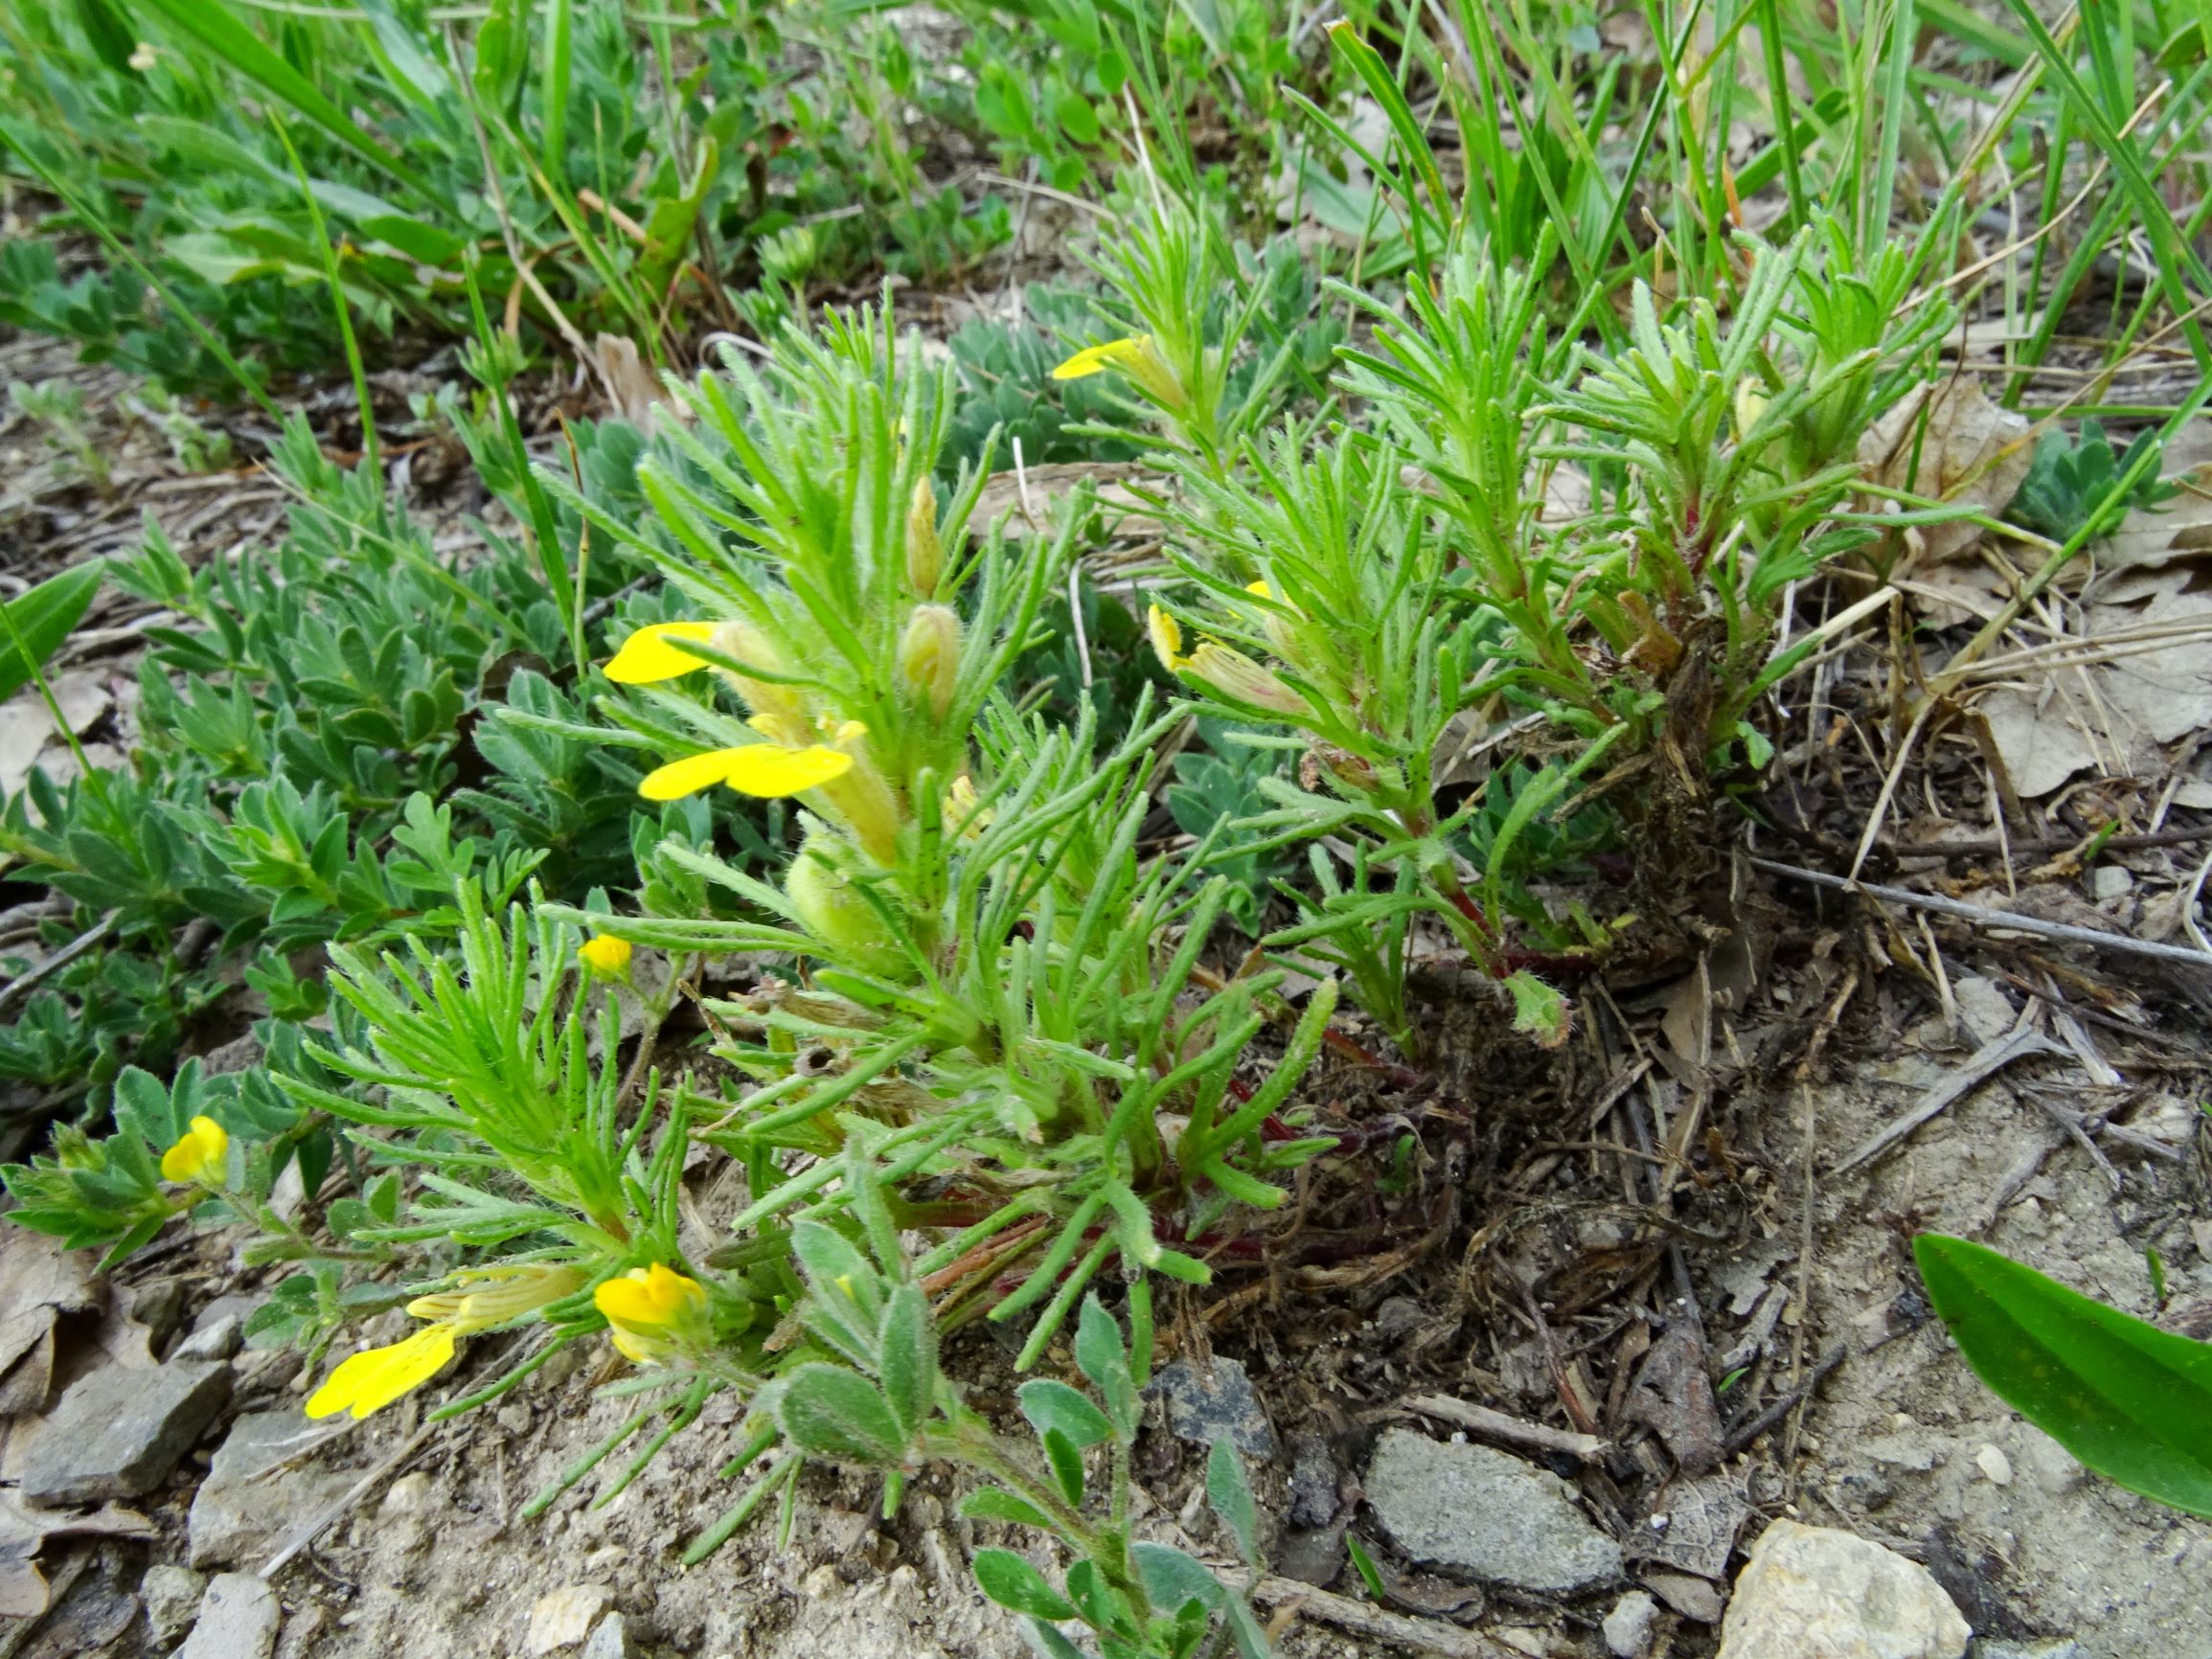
column 376, row 1377
column 650, row 655
column 770, row 770
column 648, row 1298
column 1166, row 639
column 199, row 1155
column 606, row 955
column 1097, row 359
column 687, row 776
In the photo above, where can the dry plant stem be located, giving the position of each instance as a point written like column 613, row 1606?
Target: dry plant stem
column 312, row 1528
column 1399, row 1629
column 1741, row 1437
column 1989, row 918
column 24, row 982
column 1513, row 1430
column 1986, row 1062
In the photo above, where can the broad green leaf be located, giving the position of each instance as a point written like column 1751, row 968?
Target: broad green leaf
column 1173, row 1580
column 1053, row 1405
column 2127, row 1400
column 42, row 620
column 829, row 1412
column 111, row 37
column 1231, row 1496
column 997, row 1504
column 1100, row 1356
column 1049, row 1642
column 1066, row 1464
column 907, row 1360
column 1011, row 1582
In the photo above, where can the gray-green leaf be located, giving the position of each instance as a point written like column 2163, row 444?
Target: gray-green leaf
column 829, row 1412
column 1011, row 1582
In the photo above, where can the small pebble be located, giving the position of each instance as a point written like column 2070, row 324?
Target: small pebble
column 1627, row 1628
column 565, row 1618
column 1993, row 1463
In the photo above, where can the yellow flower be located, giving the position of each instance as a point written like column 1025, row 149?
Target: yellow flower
column 491, row 1296
column 649, row 1310
column 375, row 1376
column 1166, row 640
column 1275, row 622
column 652, row 653
column 1136, row 357
column 199, row 1156
column 767, row 770
column 1229, row 673
column 606, row 955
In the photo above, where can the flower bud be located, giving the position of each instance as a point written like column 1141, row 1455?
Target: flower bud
column 836, row 912
column 1750, row 404
column 929, row 656
column 747, row 644
column 1236, row 676
column 1276, row 623
column 925, row 554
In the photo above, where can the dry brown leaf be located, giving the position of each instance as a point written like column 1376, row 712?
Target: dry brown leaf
column 2115, row 716
column 639, row 396
column 1970, row 452
column 1115, row 482
column 40, row 1283
column 24, row 1532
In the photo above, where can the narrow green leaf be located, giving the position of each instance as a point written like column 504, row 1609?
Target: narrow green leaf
column 2127, row 1400
column 42, row 620
column 212, row 24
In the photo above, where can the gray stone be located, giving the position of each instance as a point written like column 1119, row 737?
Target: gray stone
column 238, row 1619
column 247, row 1502
column 171, row 1597
column 158, row 1304
column 1216, row 1402
column 119, row 1431
column 1313, row 1481
column 1627, row 1628
column 1487, row 1514
column 610, row 1641
column 1818, row 1593
column 217, row 1341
